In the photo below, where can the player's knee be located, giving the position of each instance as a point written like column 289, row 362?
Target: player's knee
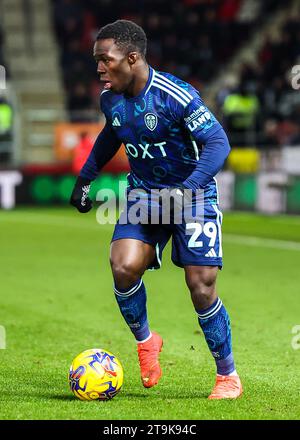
column 202, row 287
column 125, row 273
column 202, row 280
column 202, row 292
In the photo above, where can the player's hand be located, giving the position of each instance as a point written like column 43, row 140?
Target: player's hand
column 80, row 195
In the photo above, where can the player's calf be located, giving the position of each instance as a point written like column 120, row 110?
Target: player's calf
column 129, row 259
column 201, row 281
column 215, row 324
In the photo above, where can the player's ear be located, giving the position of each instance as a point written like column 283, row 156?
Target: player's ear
column 132, row 57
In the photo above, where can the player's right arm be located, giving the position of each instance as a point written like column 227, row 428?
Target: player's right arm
column 105, row 147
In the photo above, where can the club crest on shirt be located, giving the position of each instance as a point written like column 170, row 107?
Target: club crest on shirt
column 150, row 121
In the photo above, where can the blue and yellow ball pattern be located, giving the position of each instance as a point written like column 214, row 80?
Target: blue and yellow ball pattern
column 95, row 374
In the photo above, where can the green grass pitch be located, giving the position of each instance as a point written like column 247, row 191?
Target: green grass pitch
column 57, row 300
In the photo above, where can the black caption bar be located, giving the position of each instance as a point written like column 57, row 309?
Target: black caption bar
column 106, row 429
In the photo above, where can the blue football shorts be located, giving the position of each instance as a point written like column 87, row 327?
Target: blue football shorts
column 193, row 243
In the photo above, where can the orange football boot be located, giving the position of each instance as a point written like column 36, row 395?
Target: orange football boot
column 226, row 387
column 148, row 353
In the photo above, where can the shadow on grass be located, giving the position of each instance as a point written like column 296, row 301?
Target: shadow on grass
column 153, row 394
column 160, row 395
column 39, row 395
column 63, row 397
column 128, row 395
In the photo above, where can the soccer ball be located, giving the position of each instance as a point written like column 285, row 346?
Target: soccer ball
column 95, row 374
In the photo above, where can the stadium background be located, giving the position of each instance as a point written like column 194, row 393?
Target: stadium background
column 244, row 57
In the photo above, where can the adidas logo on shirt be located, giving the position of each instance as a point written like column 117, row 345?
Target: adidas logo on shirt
column 116, row 122
column 211, row 253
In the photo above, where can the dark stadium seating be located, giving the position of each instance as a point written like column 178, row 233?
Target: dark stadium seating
column 183, row 38
column 194, row 39
column 270, row 79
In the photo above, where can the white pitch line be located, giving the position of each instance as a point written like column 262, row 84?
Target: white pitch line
column 234, row 239
column 261, row 242
column 55, row 220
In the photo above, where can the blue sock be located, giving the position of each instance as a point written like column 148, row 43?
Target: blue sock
column 215, row 324
column 132, row 304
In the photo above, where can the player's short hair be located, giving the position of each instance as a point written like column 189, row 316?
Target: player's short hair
column 128, row 36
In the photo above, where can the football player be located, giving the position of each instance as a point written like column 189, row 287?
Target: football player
column 172, row 141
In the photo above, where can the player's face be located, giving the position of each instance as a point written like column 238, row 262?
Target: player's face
column 113, row 66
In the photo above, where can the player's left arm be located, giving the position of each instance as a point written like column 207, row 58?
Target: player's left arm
column 208, row 132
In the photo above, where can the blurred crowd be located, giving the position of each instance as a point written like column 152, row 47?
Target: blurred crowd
column 264, row 108
column 1, row 47
column 183, row 37
column 6, row 110
column 192, row 39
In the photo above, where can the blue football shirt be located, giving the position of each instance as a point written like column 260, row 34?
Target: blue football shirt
column 163, row 129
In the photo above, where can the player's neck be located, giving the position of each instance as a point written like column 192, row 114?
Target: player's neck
column 139, row 81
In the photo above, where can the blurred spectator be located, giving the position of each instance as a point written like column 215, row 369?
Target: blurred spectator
column 6, row 130
column 193, row 39
column 270, row 81
column 1, row 45
column 270, row 134
column 183, row 37
column 289, row 131
column 228, row 9
column 68, row 20
column 6, row 120
column 81, row 152
column 241, row 112
column 80, row 103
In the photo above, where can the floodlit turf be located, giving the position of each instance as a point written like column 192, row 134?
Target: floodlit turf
column 57, row 300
